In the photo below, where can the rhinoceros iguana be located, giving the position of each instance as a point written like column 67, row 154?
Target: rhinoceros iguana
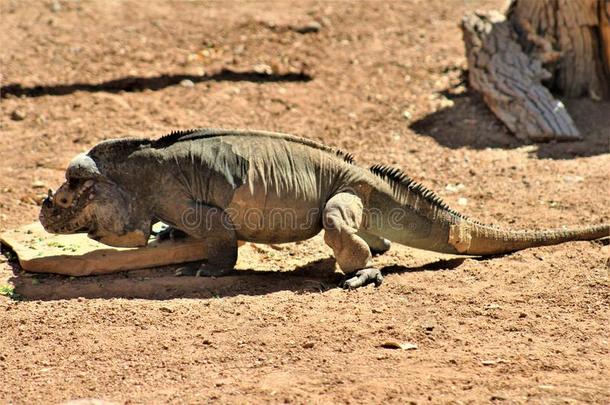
column 263, row 187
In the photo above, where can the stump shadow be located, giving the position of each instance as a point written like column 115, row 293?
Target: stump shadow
column 470, row 124
column 132, row 84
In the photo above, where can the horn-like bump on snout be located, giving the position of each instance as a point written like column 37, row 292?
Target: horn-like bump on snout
column 48, row 201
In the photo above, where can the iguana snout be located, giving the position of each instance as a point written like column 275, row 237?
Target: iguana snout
column 69, row 210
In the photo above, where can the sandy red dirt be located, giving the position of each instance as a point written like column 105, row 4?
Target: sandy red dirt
column 382, row 80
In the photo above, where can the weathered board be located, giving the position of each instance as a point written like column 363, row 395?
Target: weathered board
column 77, row 255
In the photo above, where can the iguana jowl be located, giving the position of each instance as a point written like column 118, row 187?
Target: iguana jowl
column 263, row 187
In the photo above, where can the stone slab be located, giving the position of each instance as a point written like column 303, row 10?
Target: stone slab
column 77, row 255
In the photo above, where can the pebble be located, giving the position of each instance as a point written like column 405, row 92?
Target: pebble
column 18, row 115
column 187, row 83
column 262, row 68
column 38, row 184
column 454, row 188
column 462, row 201
column 392, row 344
column 309, row 28
column 56, row 7
column 407, row 115
column 573, row 179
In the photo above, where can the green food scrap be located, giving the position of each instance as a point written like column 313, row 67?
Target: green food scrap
column 9, row 291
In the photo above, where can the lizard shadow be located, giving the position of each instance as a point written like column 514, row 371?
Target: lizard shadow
column 161, row 284
column 440, row 265
column 468, row 123
column 138, row 84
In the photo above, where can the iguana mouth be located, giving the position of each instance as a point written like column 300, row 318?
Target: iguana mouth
column 67, row 211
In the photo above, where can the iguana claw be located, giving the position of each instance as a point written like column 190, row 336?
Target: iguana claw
column 188, row 270
column 363, row 277
column 170, row 233
column 201, row 270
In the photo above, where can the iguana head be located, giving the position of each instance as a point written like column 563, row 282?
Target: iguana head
column 88, row 201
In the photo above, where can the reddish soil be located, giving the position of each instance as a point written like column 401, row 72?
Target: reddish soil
column 386, row 84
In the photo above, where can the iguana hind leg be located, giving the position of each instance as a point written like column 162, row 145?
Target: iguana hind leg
column 214, row 226
column 377, row 245
column 341, row 219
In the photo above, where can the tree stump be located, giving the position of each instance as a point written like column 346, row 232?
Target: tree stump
column 539, row 47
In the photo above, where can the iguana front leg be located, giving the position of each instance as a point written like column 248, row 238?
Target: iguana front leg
column 213, row 225
column 170, row 233
column 341, row 219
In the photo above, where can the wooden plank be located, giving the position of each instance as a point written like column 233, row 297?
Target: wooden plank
column 77, row 255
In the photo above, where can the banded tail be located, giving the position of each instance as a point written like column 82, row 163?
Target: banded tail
column 430, row 224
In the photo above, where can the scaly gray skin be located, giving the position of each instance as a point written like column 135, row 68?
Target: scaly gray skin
column 224, row 186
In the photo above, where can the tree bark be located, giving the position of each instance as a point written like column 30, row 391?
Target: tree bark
column 540, row 46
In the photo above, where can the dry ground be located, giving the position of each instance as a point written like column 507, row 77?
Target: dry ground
column 380, row 79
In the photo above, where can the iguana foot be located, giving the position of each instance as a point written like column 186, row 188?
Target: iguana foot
column 170, row 233
column 361, row 278
column 188, row 270
column 212, row 271
column 201, row 270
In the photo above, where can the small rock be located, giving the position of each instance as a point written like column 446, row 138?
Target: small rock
column 56, row 7
column 492, row 362
column 187, row 83
column 309, row 28
column 407, row 115
column 392, row 344
column 18, row 115
column 522, row 315
column 454, row 188
column 446, row 103
column 88, row 401
column 262, row 68
column 38, row 184
column 573, row 179
column 462, row 201
column 308, row 345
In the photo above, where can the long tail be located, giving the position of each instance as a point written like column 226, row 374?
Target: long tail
column 415, row 216
column 475, row 239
